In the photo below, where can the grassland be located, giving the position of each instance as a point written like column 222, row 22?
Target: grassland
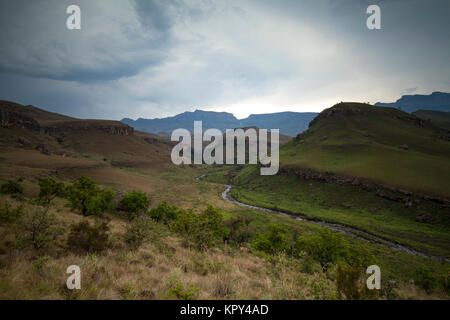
column 164, row 268
column 384, row 145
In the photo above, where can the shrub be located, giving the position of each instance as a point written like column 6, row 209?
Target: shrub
column 9, row 215
column 238, row 230
column 326, row 248
column 351, row 274
column 351, row 283
column 203, row 230
column 86, row 196
column 425, row 278
column 135, row 203
column 274, row 242
column 37, row 229
column 188, row 293
column 165, row 213
column 84, row 238
column 139, row 231
column 49, row 189
column 11, row 187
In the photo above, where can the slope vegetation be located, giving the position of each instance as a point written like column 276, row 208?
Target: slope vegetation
column 384, row 145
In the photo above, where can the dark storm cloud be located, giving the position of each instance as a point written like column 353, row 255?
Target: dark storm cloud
column 154, row 58
column 111, row 44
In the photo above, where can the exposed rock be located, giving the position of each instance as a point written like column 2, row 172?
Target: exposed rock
column 293, row 153
column 404, row 147
column 13, row 119
column 423, row 218
column 43, row 148
column 151, row 140
column 25, row 142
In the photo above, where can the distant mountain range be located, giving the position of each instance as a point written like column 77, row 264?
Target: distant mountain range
column 438, row 101
column 289, row 123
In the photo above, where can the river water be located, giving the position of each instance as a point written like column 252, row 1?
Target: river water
column 356, row 233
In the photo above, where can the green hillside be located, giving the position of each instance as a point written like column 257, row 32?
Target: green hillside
column 438, row 118
column 384, row 145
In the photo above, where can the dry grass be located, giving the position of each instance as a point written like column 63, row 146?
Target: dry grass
column 151, row 272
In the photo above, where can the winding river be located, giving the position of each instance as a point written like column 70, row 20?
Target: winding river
column 353, row 232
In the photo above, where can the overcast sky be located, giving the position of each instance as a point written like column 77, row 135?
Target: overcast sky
column 143, row 58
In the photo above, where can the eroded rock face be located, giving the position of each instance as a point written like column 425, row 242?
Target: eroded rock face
column 383, row 191
column 13, row 119
column 25, row 142
column 43, row 148
column 120, row 130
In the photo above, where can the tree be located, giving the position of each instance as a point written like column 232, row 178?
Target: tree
column 49, row 189
column 37, row 228
column 86, row 238
column 165, row 213
column 326, row 248
column 135, row 203
column 11, row 187
column 204, row 230
column 86, row 196
column 273, row 242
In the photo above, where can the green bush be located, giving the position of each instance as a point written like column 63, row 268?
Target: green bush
column 351, row 283
column 49, row 189
column 425, row 278
column 139, row 231
column 86, row 238
column 326, row 248
column 135, row 203
column 86, row 196
column 9, row 215
column 188, row 293
column 238, row 230
column 273, row 242
column 165, row 213
column 203, row 230
column 37, row 228
column 11, row 187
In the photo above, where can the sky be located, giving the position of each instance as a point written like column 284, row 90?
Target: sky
column 148, row 59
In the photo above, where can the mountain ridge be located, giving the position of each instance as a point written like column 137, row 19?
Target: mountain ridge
column 290, row 123
column 437, row 101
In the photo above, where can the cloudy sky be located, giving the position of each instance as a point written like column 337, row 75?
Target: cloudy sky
column 144, row 58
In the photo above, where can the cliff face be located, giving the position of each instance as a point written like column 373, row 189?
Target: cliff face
column 110, row 127
column 13, row 119
column 32, row 118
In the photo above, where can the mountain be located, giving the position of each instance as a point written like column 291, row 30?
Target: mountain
column 289, row 123
column 31, row 137
column 383, row 145
column 439, row 101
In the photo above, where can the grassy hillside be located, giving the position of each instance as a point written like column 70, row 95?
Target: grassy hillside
column 438, row 118
column 167, row 266
column 384, row 145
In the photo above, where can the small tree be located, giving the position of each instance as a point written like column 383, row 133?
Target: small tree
column 49, row 189
column 165, row 213
column 204, row 230
column 351, row 276
column 86, row 238
column 273, row 242
column 326, row 248
column 135, row 203
column 86, row 196
column 425, row 278
column 11, row 187
column 37, row 228
column 238, row 230
column 139, row 231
